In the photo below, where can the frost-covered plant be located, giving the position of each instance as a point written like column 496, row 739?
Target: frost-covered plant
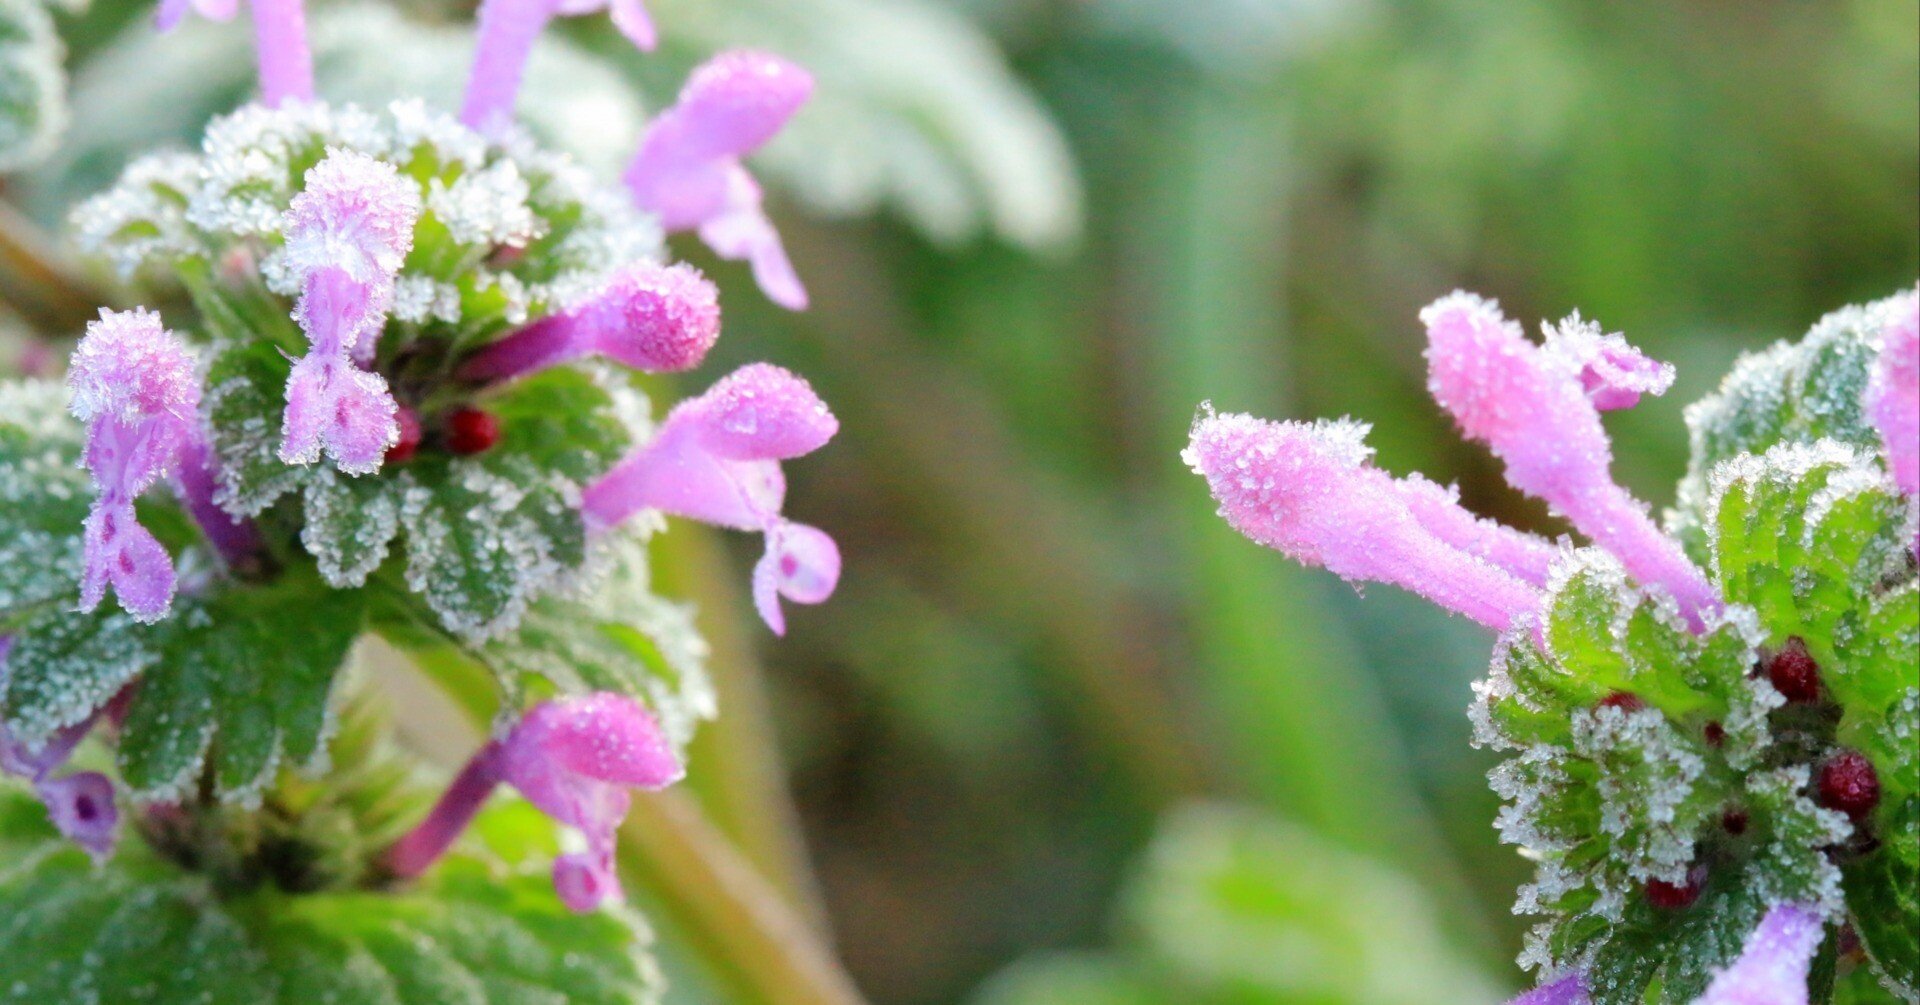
column 1712, row 727
column 393, row 389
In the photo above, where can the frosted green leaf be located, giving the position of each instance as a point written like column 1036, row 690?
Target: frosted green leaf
column 350, row 524
column 1883, row 894
column 64, row 665
column 138, row 929
column 1794, row 392
column 44, row 497
column 33, row 100
column 241, row 685
column 244, row 404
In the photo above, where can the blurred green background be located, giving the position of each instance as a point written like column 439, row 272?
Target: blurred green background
column 1062, row 738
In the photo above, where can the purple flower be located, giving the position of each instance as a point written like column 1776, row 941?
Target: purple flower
column 650, row 317
column 688, row 170
column 136, row 387
column 1533, row 406
column 1438, row 509
column 508, row 29
column 716, row 459
column 1568, row 990
column 347, row 234
column 1893, row 394
column 573, row 758
column 1773, row 965
column 280, row 41
column 80, row 805
column 1309, row 492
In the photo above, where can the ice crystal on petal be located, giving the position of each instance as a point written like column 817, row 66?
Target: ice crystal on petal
column 1613, row 372
column 1568, row 990
column 1893, row 398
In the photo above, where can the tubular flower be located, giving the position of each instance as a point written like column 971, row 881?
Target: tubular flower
column 574, row 759
column 81, row 804
column 135, row 386
column 1535, row 408
column 1309, row 492
column 688, row 170
column 280, row 39
column 1438, row 509
column 347, row 234
column 1773, row 965
column 716, row 459
column 650, row 317
column 1893, row 396
column 508, row 29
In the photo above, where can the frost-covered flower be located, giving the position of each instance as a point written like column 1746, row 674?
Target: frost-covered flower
column 1568, row 990
column 575, row 759
column 347, row 234
column 1536, row 410
column 80, row 805
column 650, row 317
column 134, row 384
column 280, row 38
column 1773, row 965
column 1613, row 372
column 688, row 168
column 716, row 459
column 508, row 29
column 1310, row 492
column 1893, row 397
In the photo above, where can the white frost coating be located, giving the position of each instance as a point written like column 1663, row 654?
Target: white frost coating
column 418, row 299
column 1647, row 776
column 143, row 217
column 486, row 207
column 1793, row 865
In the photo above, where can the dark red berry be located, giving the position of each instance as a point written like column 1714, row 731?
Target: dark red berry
column 1715, row 733
column 409, row 441
column 1849, row 784
column 1626, row 701
column 1669, row 897
column 471, row 431
column 1734, row 822
column 1793, row 672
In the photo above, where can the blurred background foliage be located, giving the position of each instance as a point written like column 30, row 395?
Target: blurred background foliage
column 1062, row 737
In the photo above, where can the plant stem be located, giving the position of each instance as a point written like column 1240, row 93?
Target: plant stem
column 45, row 289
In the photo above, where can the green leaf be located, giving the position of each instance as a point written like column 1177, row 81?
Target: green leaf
column 350, row 524
column 64, row 665
column 1883, row 896
column 138, row 929
column 44, row 496
column 245, row 403
column 33, row 84
column 241, row 685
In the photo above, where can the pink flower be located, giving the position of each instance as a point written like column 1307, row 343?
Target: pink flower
column 1893, row 393
column 1613, row 373
column 280, row 39
column 688, row 170
column 1309, row 492
column 716, row 459
column 508, row 29
column 650, row 317
column 136, row 387
column 573, row 758
column 1532, row 406
column 1568, row 990
column 347, row 234
column 1772, row 967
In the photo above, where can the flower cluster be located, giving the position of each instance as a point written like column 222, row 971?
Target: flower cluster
column 402, row 398
column 1711, row 725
